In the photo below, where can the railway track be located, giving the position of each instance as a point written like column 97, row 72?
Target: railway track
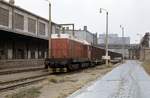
column 20, row 70
column 19, row 77
column 21, row 82
column 13, row 84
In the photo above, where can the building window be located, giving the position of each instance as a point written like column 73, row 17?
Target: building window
column 4, row 17
column 19, row 21
column 31, row 25
column 42, row 28
column 57, row 31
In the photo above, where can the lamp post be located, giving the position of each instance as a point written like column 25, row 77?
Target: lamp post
column 49, row 30
column 106, row 38
column 122, row 29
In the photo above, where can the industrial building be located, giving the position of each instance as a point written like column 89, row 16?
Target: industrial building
column 134, row 51
column 113, row 39
column 23, row 35
column 82, row 34
column 115, row 43
column 144, row 47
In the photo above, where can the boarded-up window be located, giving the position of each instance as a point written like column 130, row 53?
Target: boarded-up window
column 31, row 25
column 41, row 28
column 19, row 21
column 4, row 17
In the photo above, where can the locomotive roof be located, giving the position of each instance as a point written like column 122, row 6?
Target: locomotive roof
column 68, row 36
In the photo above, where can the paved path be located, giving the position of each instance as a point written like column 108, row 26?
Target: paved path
column 129, row 80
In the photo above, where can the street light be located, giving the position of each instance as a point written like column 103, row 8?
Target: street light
column 106, row 38
column 49, row 30
column 122, row 29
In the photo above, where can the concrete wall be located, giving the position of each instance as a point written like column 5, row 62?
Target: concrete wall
column 14, row 46
column 25, row 21
column 145, row 54
column 83, row 35
column 9, row 64
column 113, row 39
column 126, row 52
column 14, row 21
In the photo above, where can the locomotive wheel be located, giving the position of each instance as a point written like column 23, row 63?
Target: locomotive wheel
column 61, row 70
column 92, row 64
column 85, row 65
column 72, row 67
column 54, row 70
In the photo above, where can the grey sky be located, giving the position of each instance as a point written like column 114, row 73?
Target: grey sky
column 134, row 15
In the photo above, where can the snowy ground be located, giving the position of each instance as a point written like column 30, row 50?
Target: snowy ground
column 129, row 80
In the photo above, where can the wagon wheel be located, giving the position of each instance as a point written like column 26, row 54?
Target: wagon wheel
column 53, row 70
column 72, row 67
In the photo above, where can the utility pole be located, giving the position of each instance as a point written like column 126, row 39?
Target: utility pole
column 50, row 31
column 123, row 43
column 106, row 38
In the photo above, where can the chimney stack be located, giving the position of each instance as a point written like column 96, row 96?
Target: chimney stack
column 85, row 28
column 12, row 2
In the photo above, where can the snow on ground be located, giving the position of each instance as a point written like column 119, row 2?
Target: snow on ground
column 129, row 80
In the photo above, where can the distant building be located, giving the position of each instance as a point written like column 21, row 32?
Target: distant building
column 134, row 51
column 83, row 34
column 113, row 39
column 144, row 47
column 115, row 43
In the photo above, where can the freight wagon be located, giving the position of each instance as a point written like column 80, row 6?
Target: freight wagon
column 69, row 53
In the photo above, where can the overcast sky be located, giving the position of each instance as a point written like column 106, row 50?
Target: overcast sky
column 134, row 15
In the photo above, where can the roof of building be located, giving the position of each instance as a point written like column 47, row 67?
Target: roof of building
column 19, row 8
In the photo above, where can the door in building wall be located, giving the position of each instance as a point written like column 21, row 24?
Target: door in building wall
column 20, row 54
column 32, row 54
column 2, row 56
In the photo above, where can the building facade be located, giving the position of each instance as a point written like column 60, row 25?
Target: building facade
column 113, row 39
column 144, row 47
column 23, row 35
column 115, row 43
column 83, row 34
